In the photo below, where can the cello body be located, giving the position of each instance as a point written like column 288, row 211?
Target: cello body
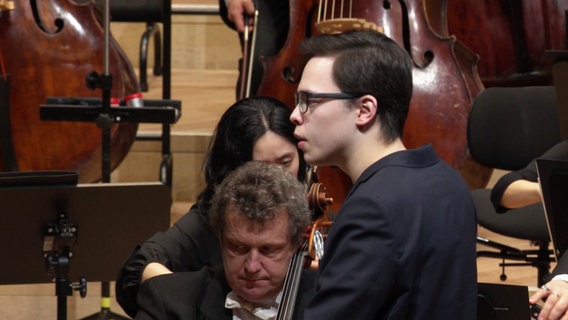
column 445, row 79
column 49, row 49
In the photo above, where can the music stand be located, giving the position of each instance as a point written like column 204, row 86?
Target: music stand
column 502, row 302
column 110, row 220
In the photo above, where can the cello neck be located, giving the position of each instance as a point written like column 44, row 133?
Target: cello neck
column 291, row 283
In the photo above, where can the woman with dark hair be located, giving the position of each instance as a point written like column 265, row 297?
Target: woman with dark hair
column 257, row 129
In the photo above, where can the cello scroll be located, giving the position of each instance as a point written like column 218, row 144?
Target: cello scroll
column 318, row 202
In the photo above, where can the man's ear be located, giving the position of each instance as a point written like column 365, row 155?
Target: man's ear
column 367, row 111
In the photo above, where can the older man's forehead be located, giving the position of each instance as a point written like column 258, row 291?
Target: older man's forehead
column 237, row 223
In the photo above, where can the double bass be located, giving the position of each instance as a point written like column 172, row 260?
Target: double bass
column 49, row 48
column 510, row 36
column 445, row 76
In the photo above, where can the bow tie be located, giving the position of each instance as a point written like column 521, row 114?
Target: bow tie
column 264, row 311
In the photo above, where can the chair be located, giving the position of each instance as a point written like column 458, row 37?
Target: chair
column 152, row 12
column 507, row 129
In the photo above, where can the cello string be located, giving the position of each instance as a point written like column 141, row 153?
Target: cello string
column 286, row 295
column 291, row 282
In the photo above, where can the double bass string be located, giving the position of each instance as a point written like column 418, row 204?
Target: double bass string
column 328, row 22
column 323, row 10
column 4, row 75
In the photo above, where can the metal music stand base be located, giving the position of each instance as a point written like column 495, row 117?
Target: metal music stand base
column 105, row 313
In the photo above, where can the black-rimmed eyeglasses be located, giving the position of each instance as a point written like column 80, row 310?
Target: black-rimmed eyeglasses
column 303, row 98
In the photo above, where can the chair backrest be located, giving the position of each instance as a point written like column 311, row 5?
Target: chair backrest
column 137, row 10
column 510, row 127
column 151, row 12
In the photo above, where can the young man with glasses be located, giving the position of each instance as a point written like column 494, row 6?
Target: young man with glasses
column 403, row 244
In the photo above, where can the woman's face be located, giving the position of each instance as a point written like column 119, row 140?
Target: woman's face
column 273, row 148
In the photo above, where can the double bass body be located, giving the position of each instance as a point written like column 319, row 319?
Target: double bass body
column 49, row 49
column 510, row 36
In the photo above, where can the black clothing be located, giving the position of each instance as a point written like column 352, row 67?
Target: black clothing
column 402, row 245
column 557, row 152
column 201, row 295
column 188, row 245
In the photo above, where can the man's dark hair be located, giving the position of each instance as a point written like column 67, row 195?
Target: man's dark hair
column 369, row 62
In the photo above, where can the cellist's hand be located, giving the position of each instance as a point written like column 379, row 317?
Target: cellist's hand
column 556, row 305
column 237, row 9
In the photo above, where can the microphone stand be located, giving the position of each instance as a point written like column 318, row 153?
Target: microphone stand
column 165, row 112
column 104, row 122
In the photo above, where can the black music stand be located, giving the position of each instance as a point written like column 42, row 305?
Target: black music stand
column 89, row 229
column 502, row 302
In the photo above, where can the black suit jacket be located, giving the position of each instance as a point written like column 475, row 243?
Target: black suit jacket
column 402, row 246
column 200, row 295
